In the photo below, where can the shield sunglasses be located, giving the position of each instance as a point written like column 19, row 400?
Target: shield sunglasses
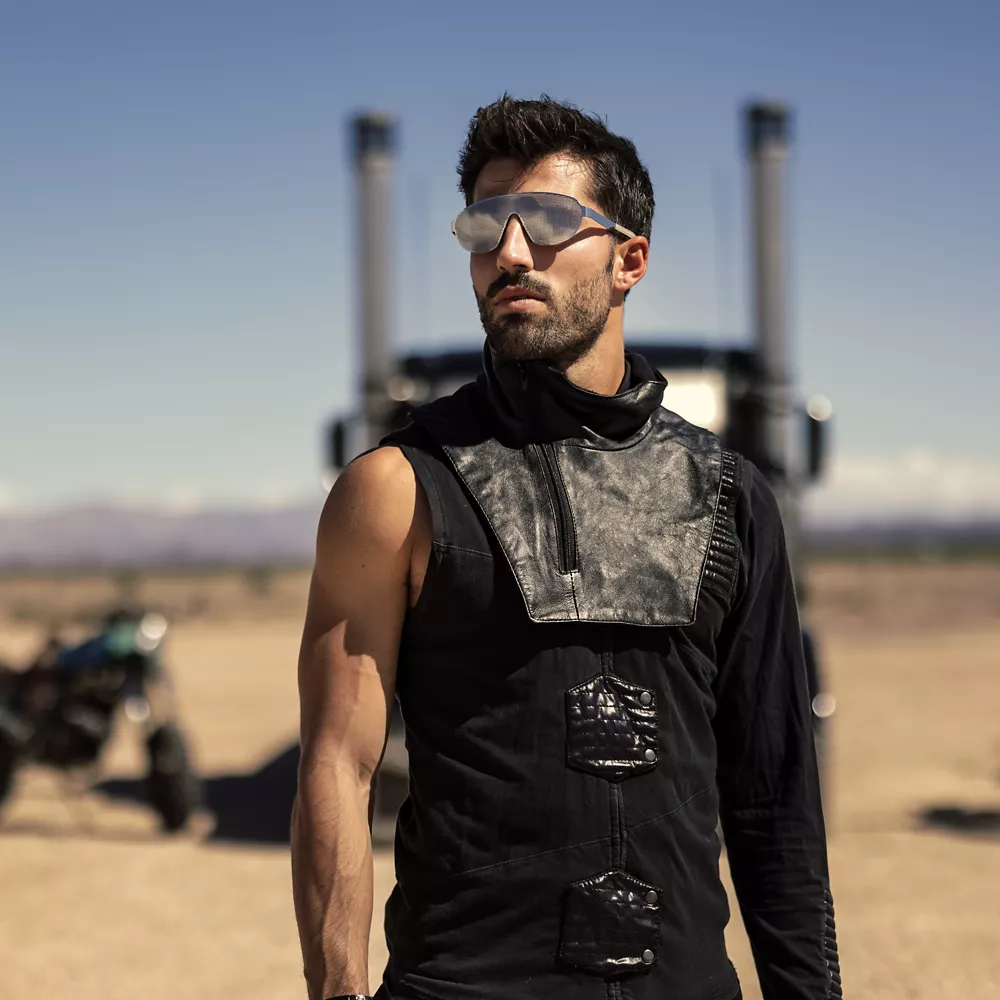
column 547, row 218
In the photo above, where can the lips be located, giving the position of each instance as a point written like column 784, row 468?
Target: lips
column 514, row 294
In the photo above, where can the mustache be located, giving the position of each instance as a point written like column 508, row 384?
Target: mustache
column 516, row 281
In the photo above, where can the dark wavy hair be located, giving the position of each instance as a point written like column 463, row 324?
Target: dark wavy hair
column 529, row 131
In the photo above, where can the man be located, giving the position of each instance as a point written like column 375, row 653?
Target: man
column 584, row 607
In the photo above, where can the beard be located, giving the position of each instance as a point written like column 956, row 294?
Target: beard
column 568, row 329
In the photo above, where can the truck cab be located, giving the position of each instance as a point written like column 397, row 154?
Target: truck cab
column 719, row 388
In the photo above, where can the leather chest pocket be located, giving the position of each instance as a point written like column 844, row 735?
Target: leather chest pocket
column 610, row 925
column 611, row 728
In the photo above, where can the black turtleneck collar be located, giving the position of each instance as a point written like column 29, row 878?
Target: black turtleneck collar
column 535, row 402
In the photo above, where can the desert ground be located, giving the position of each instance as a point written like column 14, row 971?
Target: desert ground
column 96, row 903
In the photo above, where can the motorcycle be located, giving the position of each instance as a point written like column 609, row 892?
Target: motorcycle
column 62, row 709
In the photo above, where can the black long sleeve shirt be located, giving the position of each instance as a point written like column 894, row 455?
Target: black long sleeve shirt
column 769, row 788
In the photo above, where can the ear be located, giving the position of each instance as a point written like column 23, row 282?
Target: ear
column 631, row 260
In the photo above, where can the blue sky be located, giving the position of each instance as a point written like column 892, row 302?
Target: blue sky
column 176, row 269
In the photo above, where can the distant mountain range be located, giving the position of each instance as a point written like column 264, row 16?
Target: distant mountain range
column 909, row 534
column 106, row 535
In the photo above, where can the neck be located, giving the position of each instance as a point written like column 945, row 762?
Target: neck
column 602, row 368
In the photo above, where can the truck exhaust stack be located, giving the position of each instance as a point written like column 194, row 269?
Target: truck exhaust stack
column 767, row 128
column 374, row 138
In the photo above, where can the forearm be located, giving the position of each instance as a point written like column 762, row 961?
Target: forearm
column 332, row 881
column 772, row 821
column 779, row 869
column 372, row 801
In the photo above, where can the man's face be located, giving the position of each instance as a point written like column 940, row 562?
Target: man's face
column 567, row 289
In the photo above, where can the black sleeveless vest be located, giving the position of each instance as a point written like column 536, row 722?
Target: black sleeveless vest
column 555, row 679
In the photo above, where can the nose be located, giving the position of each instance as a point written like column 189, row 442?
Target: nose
column 514, row 251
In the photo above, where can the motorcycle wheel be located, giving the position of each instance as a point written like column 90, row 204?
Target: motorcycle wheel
column 174, row 788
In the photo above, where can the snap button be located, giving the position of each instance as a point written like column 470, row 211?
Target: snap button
column 645, row 698
column 650, row 754
column 651, row 897
column 648, row 956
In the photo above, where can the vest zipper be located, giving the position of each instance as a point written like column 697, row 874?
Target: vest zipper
column 565, row 533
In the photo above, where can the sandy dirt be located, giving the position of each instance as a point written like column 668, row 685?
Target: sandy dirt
column 95, row 903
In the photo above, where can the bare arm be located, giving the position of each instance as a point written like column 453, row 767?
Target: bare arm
column 347, row 673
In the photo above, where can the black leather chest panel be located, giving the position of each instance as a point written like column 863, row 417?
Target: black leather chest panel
column 599, row 531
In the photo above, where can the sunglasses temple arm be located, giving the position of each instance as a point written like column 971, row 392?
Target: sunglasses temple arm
column 605, row 221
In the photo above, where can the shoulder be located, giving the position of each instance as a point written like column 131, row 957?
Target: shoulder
column 692, row 437
column 756, row 492
column 372, row 504
column 758, row 516
column 378, row 475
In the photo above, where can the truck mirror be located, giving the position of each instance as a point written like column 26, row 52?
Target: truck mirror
column 337, row 445
column 819, row 410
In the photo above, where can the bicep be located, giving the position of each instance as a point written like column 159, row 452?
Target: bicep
column 354, row 618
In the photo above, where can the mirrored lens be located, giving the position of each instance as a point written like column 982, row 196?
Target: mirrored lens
column 481, row 225
column 548, row 219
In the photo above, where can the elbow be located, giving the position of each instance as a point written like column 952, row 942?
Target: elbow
column 329, row 774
